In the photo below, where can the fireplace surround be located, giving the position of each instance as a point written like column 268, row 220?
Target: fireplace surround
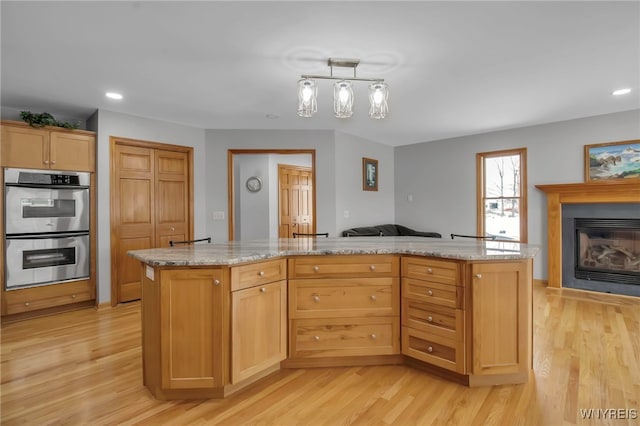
column 559, row 195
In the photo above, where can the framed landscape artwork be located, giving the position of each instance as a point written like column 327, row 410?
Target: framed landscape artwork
column 613, row 161
column 369, row 174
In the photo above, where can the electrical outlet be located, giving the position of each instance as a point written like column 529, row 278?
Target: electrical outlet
column 218, row 215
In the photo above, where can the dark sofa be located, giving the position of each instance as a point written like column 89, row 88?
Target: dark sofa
column 388, row 230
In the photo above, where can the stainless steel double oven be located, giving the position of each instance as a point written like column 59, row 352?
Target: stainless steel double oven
column 46, row 227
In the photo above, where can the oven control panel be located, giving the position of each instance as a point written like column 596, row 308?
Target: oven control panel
column 38, row 177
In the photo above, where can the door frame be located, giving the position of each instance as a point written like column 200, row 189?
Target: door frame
column 231, row 183
column 116, row 140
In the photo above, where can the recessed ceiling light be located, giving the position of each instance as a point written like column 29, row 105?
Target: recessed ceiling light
column 113, row 95
column 272, row 116
column 621, row 92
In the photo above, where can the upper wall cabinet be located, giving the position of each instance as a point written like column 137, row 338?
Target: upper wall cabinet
column 47, row 148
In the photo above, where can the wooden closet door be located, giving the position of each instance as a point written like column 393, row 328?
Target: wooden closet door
column 172, row 197
column 295, row 185
column 133, row 216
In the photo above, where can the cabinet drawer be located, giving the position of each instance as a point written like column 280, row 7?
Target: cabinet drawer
column 344, row 266
column 436, row 293
column 433, row 349
column 441, row 320
column 440, row 271
column 346, row 297
column 344, row 337
column 253, row 274
column 32, row 299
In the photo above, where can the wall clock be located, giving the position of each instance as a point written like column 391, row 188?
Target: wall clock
column 254, row 184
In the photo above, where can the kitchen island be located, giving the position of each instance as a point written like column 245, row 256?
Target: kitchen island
column 218, row 317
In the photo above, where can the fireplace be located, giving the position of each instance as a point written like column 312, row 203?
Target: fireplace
column 601, row 247
column 608, row 250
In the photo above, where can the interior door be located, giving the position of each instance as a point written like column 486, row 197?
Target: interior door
column 132, row 221
column 172, row 189
column 295, row 203
column 151, row 204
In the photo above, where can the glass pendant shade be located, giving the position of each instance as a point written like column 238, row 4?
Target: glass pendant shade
column 343, row 99
column 378, row 94
column 307, row 97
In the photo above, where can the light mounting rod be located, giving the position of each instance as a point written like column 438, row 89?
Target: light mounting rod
column 342, row 63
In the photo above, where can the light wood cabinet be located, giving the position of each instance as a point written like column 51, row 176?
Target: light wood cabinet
column 501, row 296
column 343, row 306
column 183, row 319
column 433, row 312
column 36, row 299
column 258, row 329
column 47, row 148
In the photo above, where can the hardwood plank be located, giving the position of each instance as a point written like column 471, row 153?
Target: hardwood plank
column 84, row 367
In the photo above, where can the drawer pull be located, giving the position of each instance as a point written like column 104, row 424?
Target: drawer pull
column 430, row 319
column 27, row 303
column 478, row 276
column 316, row 338
column 373, row 337
column 263, row 290
column 316, row 298
column 373, row 297
column 173, row 228
column 429, row 271
column 372, row 267
column 261, row 273
column 216, row 282
column 73, row 296
column 430, row 293
column 430, row 349
column 316, row 268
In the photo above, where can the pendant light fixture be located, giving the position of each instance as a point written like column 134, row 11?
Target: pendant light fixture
column 343, row 98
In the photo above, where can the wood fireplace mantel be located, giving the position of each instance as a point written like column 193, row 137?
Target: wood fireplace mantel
column 576, row 193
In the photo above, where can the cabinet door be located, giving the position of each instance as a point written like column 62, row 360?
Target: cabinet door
column 72, row 151
column 502, row 320
column 258, row 329
column 25, row 147
column 191, row 318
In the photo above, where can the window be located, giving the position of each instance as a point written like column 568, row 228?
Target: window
column 502, row 194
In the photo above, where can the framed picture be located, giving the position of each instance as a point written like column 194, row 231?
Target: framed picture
column 369, row 174
column 613, row 161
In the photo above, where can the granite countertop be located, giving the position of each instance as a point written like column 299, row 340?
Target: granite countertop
column 235, row 252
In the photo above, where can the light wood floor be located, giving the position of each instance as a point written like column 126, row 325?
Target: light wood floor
column 85, row 367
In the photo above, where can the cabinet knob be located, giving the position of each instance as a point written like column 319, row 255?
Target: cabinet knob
column 27, row 304
column 216, row 282
column 173, row 228
column 73, row 296
column 373, row 297
column 430, row 319
column 372, row 267
column 53, row 161
column 263, row 290
column 316, row 338
column 430, row 349
column 373, row 337
column 316, row 268
column 478, row 276
column 46, row 161
column 429, row 271
column 430, row 293
column 261, row 273
column 316, row 298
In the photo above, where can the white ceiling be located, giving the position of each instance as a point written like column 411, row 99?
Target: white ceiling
column 453, row 68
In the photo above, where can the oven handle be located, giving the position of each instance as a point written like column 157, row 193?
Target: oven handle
column 47, row 236
column 35, row 185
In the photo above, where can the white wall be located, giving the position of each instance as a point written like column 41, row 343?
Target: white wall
column 252, row 208
column 108, row 123
column 441, row 175
column 365, row 208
